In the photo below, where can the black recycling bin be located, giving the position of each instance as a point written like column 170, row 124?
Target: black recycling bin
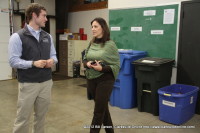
column 76, row 69
column 151, row 74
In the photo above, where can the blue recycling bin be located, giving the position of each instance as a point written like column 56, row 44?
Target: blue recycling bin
column 124, row 90
column 177, row 103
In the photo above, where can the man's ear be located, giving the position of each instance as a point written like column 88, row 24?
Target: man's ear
column 34, row 15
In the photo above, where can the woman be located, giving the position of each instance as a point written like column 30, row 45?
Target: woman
column 102, row 63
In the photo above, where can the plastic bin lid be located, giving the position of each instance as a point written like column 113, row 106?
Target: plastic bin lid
column 131, row 52
column 152, row 61
column 125, row 51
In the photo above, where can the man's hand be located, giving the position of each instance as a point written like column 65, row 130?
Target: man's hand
column 49, row 63
column 40, row 63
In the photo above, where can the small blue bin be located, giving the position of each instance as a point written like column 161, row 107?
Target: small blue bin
column 177, row 103
column 124, row 91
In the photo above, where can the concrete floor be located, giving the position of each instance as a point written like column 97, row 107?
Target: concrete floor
column 70, row 112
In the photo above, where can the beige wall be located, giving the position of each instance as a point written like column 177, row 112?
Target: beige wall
column 82, row 19
column 115, row 4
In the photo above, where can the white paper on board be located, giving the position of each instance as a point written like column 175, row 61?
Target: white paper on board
column 157, row 32
column 115, row 28
column 136, row 28
column 168, row 17
column 149, row 13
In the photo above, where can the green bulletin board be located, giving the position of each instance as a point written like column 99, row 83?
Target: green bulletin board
column 157, row 45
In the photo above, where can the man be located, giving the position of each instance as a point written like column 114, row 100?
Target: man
column 32, row 52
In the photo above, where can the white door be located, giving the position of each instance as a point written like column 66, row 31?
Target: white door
column 5, row 69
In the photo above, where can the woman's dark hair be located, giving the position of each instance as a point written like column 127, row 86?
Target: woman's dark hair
column 104, row 26
column 33, row 8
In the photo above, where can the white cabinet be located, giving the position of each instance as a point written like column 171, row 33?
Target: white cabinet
column 6, row 70
column 75, row 47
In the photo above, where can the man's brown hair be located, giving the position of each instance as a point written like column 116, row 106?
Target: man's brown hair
column 33, row 8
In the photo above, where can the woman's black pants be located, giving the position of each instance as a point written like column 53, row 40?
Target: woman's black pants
column 100, row 89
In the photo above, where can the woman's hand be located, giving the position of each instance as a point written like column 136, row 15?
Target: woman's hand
column 96, row 66
column 89, row 65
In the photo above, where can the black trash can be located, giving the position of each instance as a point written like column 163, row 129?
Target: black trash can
column 151, row 74
column 76, row 69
